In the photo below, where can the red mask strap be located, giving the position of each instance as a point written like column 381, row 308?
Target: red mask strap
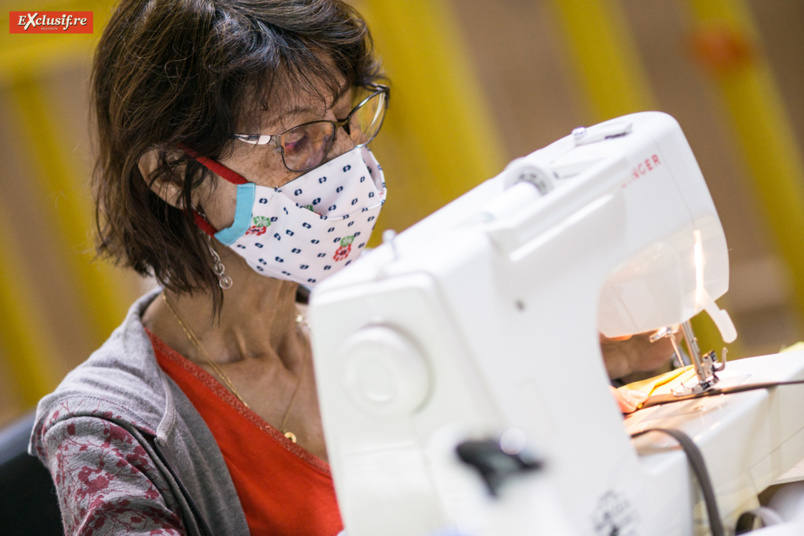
column 216, row 167
column 204, row 224
column 220, row 170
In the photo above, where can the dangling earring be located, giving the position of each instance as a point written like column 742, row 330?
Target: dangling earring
column 218, row 268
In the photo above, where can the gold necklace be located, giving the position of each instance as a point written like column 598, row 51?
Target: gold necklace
column 224, row 379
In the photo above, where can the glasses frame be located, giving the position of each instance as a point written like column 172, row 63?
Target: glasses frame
column 275, row 139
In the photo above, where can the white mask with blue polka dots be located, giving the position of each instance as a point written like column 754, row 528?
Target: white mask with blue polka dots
column 310, row 227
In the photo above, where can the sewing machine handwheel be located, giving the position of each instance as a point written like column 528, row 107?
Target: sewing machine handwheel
column 385, row 372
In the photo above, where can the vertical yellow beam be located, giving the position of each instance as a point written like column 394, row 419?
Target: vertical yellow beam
column 67, row 203
column 606, row 60
column 439, row 134
column 32, row 359
column 604, row 55
column 30, row 353
column 729, row 45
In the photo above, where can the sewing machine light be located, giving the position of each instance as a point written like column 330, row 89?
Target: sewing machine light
column 702, row 298
column 698, row 258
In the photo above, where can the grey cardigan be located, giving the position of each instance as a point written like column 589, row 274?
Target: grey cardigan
column 119, row 406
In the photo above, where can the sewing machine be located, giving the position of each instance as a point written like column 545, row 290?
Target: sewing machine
column 459, row 370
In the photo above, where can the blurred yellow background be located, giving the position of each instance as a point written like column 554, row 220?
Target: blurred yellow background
column 475, row 84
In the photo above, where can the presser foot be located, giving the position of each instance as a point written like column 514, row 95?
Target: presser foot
column 706, row 365
column 706, row 368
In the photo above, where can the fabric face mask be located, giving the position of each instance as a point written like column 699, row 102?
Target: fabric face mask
column 310, row 227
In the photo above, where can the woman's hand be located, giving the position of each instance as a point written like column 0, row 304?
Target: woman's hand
column 628, row 400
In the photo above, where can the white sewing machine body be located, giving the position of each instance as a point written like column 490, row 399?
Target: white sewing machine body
column 484, row 317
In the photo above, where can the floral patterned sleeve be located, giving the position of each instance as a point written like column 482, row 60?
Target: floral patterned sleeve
column 106, row 482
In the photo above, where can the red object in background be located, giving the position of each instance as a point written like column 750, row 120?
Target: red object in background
column 722, row 49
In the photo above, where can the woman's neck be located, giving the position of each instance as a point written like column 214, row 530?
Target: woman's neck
column 258, row 320
column 261, row 352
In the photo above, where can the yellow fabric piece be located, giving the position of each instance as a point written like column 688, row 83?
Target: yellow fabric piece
column 649, row 385
column 793, row 348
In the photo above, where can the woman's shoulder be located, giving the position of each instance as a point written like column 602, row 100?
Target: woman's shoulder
column 121, row 381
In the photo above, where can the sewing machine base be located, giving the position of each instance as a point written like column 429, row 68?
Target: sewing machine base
column 749, row 441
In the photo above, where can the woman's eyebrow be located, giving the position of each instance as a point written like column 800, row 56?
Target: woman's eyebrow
column 298, row 110
column 344, row 90
column 280, row 119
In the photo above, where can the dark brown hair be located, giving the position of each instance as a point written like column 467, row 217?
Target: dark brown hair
column 185, row 73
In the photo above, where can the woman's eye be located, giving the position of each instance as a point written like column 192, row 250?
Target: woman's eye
column 295, row 141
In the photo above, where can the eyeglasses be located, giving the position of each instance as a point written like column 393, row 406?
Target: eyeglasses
column 305, row 146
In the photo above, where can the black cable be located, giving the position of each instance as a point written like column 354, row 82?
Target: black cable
column 698, row 465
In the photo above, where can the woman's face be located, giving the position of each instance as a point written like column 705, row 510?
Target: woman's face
column 262, row 164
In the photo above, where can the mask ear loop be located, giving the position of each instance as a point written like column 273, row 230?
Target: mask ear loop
column 220, row 170
column 203, row 223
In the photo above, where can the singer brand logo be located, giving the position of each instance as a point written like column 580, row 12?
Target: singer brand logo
column 50, row 22
column 643, row 168
column 646, row 166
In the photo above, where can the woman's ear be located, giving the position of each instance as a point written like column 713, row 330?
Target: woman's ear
column 170, row 191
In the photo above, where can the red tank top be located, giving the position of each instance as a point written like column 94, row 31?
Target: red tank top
column 284, row 490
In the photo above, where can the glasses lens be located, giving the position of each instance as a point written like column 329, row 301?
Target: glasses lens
column 366, row 120
column 305, row 146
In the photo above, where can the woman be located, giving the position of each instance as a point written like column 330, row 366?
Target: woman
column 232, row 167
